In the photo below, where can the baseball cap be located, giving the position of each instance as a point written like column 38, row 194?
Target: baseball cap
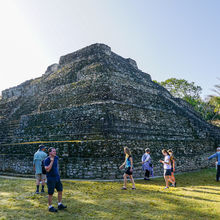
column 41, row 147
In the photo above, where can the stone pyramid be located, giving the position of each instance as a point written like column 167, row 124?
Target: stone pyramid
column 91, row 105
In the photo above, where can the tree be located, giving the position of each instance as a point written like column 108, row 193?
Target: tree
column 180, row 88
column 215, row 101
column 217, row 89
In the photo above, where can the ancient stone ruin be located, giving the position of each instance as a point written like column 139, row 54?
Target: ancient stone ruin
column 91, row 105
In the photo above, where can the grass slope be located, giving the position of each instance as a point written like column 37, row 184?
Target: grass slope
column 196, row 197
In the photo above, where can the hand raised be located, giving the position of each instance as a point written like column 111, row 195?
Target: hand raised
column 51, row 158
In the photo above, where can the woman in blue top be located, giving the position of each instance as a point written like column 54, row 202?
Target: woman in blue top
column 128, row 163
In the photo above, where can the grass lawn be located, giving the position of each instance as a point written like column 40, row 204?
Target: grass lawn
column 197, row 196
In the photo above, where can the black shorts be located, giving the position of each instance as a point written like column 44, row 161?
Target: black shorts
column 167, row 172
column 128, row 171
column 54, row 184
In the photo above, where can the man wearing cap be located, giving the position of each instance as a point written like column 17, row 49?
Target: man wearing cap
column 217, row 156
column 39, row 156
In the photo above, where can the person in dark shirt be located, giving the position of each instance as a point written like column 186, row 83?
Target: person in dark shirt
column 53, row 179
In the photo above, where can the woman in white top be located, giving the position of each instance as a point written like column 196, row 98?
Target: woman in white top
column 167, row 167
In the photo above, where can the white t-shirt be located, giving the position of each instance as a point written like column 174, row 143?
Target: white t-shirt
column 167, row 160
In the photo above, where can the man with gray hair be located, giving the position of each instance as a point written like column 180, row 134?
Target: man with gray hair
column 217, row 156
column 39, row 156
column 146, row 164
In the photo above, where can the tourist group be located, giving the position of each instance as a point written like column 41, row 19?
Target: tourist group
column 47, row 171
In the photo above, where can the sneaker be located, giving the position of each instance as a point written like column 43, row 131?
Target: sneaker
column 42, row 191
column 52, row 209
column 123, row 188
column 146, row 178
column 133, row 188
column 37, row 192
column 61, row 206
column 166, row 187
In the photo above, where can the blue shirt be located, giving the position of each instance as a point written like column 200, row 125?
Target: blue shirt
column 147, row 161
column 128, row 162
column 39, row 156
column 54, row 171
column 216, row 155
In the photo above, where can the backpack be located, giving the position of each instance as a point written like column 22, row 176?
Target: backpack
column 43, row 167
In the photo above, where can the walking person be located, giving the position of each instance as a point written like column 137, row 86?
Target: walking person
column 128, row 163
column 167, row 168
column 173, row 163
column 39, row 157
column 217, row 156
column 146, row 164
column 53, row 179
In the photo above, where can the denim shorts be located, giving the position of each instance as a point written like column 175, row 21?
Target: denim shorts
column 54, row 184
column 167, row 172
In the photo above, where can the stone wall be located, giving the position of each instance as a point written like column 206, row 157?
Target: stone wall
column 101, row 159
column 89, row 106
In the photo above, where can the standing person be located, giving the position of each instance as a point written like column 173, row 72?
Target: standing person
column 53, row 179
column 173, row 161
column 217, row 156
column 167, row 168
column 128, row 163
column 146, row 164
column 39, row 156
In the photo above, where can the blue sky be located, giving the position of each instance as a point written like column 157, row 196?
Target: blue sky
column 167, row 38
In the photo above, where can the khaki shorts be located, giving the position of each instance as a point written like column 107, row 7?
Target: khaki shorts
column 40, row 176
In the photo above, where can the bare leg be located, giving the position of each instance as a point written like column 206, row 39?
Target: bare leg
column 50, row 197
column 37, row 182
column 60, row 196
column 132, row 180
column 167, row 181
column 125, row 180
column 43, row 182
column 172, row 177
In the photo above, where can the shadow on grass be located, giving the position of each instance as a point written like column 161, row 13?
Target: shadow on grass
column 205, row 177
column 213, row 189
column 197, row 198
column 201, row 191
column 113, row 208
column 105, row 200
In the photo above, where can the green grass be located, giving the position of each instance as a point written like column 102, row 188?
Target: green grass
column 196, row 197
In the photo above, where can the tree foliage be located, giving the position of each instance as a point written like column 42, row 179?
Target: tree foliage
column 181, row 88
column 188, row 91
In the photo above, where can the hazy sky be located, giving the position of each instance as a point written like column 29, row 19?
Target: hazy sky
column 167, row 38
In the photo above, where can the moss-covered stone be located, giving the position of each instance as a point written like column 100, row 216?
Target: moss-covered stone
column 91, row 105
